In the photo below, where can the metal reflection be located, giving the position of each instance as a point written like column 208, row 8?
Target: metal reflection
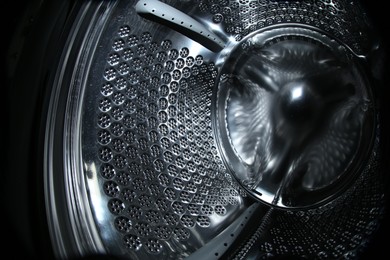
column 294, row 117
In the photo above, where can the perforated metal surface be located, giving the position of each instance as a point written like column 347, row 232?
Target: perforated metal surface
column 338, row 230
column 148, row 149
column 342, row 19
column 149, row 121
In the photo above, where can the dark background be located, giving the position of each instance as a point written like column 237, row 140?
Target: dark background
column 19, row 20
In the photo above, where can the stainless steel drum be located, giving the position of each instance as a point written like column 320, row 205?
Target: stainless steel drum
column 233, row 129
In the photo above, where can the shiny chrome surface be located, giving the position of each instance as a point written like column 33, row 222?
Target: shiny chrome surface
column 176, row 144
column 297, row 114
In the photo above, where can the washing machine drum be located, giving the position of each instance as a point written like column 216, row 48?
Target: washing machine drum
column 214, row 129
